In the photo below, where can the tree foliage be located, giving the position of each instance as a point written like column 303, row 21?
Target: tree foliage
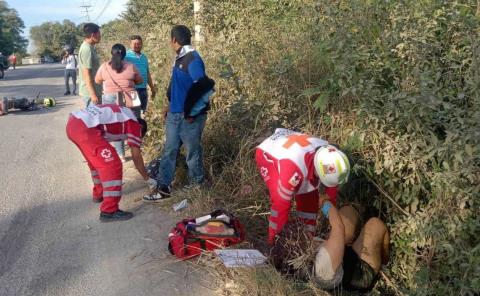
column 395, row 83
column 50, row 38
column 11, row 29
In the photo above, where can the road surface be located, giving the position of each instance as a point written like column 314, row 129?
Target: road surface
column 51, row 241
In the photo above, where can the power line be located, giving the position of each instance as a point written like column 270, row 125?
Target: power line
column 87, row 10
column 103, row 10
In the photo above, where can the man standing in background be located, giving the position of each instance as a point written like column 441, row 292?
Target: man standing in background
column 89, row 63
column 70, row 62
column 140, row 60
column 13, row 60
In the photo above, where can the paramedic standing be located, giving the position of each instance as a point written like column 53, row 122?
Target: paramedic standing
column 91, row 129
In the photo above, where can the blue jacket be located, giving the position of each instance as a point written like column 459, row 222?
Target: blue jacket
column 187, row 70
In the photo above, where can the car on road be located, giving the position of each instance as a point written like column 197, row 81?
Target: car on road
column 4, row 64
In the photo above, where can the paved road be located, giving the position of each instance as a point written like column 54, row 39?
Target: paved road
column 51, row 242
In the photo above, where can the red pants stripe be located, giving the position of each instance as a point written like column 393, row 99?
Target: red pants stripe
column 307, row 204
column 103, row 161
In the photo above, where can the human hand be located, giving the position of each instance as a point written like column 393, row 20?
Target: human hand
column 154, row 91
column 165, row 112
column 95, row 100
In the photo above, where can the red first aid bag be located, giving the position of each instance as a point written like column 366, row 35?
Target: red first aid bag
column 190, row 237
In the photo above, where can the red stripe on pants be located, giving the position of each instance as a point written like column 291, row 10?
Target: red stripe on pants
column 101, row 157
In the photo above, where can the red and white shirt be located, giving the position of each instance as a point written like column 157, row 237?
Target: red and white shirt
column 292, row 155
column 116, row 123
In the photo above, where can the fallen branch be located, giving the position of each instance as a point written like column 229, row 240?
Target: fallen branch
column 383, row 192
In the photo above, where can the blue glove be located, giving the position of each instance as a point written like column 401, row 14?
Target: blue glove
column 326, row 207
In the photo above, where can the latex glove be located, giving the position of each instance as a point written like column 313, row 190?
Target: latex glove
column 152, row 183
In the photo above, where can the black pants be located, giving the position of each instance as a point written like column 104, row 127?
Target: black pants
column 71, row 73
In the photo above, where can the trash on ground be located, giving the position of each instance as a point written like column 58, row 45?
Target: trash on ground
column 241, row 257
column 180, row 205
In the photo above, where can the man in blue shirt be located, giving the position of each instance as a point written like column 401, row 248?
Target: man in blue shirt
column 140, row 60
column 188, row 85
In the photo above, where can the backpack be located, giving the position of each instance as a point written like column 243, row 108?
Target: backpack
column 190, row 237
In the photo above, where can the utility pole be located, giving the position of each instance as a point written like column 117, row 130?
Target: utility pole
column 87, row 10
column 197, row 13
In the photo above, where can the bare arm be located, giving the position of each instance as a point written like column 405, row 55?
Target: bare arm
column 335, row 244
column 153, row 88
column 138, row 161
column 89, row 82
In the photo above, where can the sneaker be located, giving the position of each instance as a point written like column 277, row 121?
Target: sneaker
column 97, row 200
column 119, row 215
column 155, row 197
column 165, row 190
column 66, row 93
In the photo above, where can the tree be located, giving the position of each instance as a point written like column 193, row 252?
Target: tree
column 11, row 28
column 51, row 37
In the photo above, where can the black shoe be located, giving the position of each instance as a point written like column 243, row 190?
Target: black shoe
column 119, row 215
column 66, row 93
column 164, row 190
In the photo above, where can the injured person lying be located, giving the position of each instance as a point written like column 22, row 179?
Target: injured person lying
column 343, row 259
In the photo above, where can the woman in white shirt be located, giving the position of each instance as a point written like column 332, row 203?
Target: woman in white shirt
column 70, row 63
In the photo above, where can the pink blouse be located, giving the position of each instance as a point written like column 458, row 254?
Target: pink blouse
column 125, row 79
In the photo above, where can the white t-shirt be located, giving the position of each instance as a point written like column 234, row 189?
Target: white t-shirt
column 70, row 62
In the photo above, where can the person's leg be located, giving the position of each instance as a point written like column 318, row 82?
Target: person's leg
column 280, row 206
column 170, row 150
column 372, row 244
column 191, row 136
column 107, row 164
column 73, row 73
column 351, row 221
column 66, row 78
column 307, row 209
column 143, row 95
column 103, row 161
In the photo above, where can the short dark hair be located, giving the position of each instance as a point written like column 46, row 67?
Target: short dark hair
column 136, row 37
column 182, row 34
column 89, row 29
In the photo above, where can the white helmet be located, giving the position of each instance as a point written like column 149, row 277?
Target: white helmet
column 332, row 166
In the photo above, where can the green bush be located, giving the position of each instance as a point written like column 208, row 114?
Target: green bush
column 395, row 83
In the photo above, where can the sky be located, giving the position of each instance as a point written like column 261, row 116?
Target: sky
column 35, row 12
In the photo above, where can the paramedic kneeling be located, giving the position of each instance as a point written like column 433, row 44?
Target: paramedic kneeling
column 362, row 257
column 91, row 129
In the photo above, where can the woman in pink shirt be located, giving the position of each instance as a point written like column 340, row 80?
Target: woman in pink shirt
column 118, row 78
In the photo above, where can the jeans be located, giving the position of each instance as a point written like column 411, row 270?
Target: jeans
column 178, row 131
column 73, row 74
column 143, row 95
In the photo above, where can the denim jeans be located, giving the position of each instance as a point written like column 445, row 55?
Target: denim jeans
column 178, row 131
column 70, row 73
column 143, row 95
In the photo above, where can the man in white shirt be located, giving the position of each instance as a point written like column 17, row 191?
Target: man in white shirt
column 70, row 63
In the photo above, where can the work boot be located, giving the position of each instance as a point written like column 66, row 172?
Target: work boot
column 119, row 215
